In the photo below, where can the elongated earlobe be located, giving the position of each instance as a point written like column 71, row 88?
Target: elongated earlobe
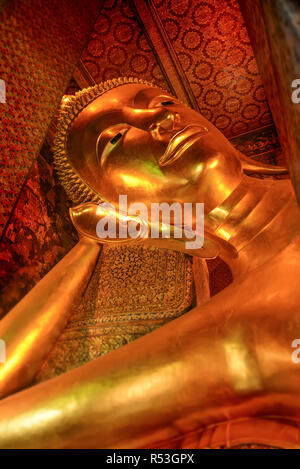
column 85, row 218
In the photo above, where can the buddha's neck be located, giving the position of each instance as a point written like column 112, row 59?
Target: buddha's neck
column 258, row 220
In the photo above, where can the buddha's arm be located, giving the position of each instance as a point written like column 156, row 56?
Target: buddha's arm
column 32, row 326
column 229, row 359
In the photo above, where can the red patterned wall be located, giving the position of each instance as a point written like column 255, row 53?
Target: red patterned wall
column 118, row 47
column 41, row 42
column 213, row 47
column 38, row 235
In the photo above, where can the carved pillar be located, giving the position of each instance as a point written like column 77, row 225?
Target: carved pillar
column 273, row 27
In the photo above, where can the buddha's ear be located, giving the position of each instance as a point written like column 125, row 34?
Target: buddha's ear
column 255, row 167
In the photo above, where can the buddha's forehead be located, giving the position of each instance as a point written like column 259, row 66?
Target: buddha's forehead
column 109, row 108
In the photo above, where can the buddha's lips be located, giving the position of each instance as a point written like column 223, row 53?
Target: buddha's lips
column 180, row 142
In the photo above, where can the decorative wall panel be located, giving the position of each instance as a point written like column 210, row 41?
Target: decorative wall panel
column 118, row 47
column 132, row 292
column 40, row 45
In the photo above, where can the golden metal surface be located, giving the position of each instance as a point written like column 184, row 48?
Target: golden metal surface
column 226, row 360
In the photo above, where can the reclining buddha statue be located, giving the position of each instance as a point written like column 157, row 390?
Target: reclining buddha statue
column 224, row 373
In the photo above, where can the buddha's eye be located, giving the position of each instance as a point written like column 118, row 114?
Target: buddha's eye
column 116, row 138
column 111, row 144
column 159, row 101
column 167, row 103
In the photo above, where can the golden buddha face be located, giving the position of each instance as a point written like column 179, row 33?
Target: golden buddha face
column 138, row 141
